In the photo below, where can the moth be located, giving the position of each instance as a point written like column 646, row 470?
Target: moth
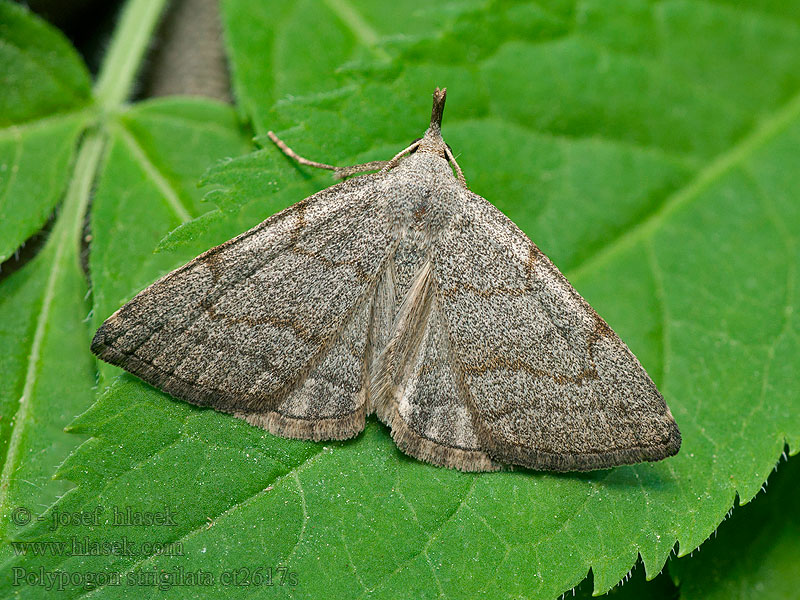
column 399, row 293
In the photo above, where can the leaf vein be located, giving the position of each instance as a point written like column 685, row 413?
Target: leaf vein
column 724, row 162
column 167, row 190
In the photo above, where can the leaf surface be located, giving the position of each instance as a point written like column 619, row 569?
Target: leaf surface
column 42, row 112
column 48, row 375
column 648, row 148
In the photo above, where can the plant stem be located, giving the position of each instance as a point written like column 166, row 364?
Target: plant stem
column 131, row 38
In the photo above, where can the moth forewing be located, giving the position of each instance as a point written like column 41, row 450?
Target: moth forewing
column 404, row 294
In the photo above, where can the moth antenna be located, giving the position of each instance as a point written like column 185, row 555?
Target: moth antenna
column 295, row 156
column 391, row 164
column 339, row 172
column 452, row 160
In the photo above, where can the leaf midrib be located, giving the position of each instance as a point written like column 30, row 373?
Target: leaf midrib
column 115, row 81
column 68, row 229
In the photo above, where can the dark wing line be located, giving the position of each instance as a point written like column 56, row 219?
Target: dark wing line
column 538, row 460
column 215, row 293
column 343, row 425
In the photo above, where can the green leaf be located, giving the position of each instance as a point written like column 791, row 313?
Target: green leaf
column 45, row 87
column 47, row 375
column 754, row 553
column 41, row 72
column 633, row 586
column 650, row 150
column 35, row 160
column 282, row 48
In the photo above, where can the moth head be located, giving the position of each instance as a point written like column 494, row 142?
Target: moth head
column 419, row 139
